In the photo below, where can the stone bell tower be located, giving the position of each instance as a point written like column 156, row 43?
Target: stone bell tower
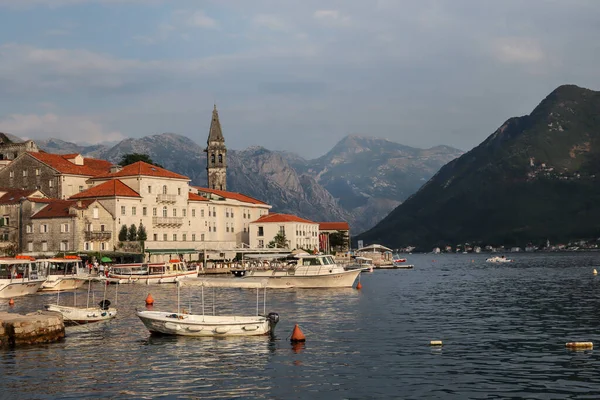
column 216, row 155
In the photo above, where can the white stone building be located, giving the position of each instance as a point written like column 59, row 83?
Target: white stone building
column 299, row 233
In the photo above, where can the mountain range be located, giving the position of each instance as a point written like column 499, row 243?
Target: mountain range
column 360, row 180
column 536, row 178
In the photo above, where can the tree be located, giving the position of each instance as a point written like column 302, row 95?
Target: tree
column 338, row 240
column 131, row 158
column 132, row 234
column 279, row 241
column 142, row 236
column 123, row 233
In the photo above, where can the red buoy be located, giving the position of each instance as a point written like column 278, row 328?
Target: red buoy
column 149, row 300
column 297, row 335
column 11, row 302
column 358, row 286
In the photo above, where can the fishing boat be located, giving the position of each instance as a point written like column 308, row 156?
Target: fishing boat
column 498, row 259
column 168, row 272
column 66, row 273
column 74, row 315
column 19, row 277
column 185, row 323
column 362, row 263
column 306, row 271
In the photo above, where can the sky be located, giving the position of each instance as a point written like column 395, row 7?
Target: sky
column 288, row 75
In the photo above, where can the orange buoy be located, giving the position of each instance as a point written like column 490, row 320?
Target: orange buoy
column 297, row 335
column 358, row 286
column 11, row 302
column 579, row 345
column 149, row 300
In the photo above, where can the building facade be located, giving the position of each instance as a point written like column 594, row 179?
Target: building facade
column 216, row 155
column 299, row 233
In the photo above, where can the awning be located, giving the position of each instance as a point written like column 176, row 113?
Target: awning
column 171, row 251
column 105, row 259
column 250, row 283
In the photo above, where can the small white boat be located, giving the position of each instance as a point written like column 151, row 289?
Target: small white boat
column 362, row 263
column 19, row 277
column 498, row 259
column 188, row 324
column 74, row 315
column 307, row 271
column 168, row 272
column 67, row 273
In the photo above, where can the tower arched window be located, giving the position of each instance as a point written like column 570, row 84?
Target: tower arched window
column 220, row 158
column 164, row 211
column 212, row 158
column 164, row 189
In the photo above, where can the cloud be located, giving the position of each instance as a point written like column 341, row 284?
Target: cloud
column 199, row 19
column 332, row 17
column 26, row 4
column 270, row 21
column 70, row 128
column 518, row 50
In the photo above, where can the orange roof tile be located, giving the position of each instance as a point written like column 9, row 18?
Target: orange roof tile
column 90, row 167
column 196, row 197
column 334, row 226
column 275, row 217
column 12, row 195
column 141, row 168
column 60, row 208
column 112, row 188
column 230, row 195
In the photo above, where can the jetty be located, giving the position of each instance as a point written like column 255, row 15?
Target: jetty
column 33, row 328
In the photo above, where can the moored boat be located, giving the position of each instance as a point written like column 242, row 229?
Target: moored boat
column 168, row 272
column 184, row 323
column 19, row 277
column 67, row 273
column 498, row 259
column 362, row 263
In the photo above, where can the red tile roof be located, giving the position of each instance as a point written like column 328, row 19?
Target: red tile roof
column 90, row 167
column 141, row 168
column 60, row 208
column 112, row 188
column 230, row 195
column 275, row 217
column 334, row 226
column 196, row 197
column 12, row 195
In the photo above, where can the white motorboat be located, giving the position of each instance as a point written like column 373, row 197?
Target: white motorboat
column 19, row 277
column 184, row 323
column 168, row 272
column 307, row 271
column 498, row 259
column 362, row 263
column 67, row 273
column 74, row 315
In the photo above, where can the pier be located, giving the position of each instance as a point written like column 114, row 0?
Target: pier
column 32, row 328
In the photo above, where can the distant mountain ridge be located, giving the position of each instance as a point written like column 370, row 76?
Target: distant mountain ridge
column 360, row 180
column 535, row 178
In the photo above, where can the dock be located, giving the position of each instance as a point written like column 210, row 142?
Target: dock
column 33, row 328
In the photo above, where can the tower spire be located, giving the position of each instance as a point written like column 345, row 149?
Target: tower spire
column 215, row 134
column 216, row 154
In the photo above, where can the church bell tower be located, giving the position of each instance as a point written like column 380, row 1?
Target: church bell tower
column 216, row 155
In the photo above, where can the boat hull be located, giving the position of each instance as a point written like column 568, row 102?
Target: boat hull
column 18, row 288
column 151, row 279
column 283, row 280
column 78, row 316
column 203, row 325
column 61, row 283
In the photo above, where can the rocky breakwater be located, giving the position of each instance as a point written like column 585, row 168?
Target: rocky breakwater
column 32, row 328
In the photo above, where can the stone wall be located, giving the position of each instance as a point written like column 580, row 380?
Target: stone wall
column 33, row 328
column 10, row 151
column 37, row 175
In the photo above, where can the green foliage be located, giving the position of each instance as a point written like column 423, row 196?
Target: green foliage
column 279, row 241
column 131, row 158
column 123, row 233
column 142, row 236
column 132, row 233
column 338, row 239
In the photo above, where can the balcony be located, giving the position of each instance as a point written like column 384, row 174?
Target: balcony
column 166, row 198
column 167, row 221
column 97, row 236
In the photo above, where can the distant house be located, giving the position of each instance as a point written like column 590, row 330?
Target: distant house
column 329, row 231
column 300, row 233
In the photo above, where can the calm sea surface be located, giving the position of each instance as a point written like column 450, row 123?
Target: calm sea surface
column 504, row 329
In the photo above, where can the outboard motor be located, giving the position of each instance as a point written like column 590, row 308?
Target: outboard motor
column 104, row 304
column 273, row 318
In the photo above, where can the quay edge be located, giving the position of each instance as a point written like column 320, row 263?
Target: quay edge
column 33, row 328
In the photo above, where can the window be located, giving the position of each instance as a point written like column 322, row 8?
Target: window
column 231, row 213
column 194, row 237
column 164, row 237
column 154, row 214
column 24, row 172
column 11, row 174
column 80, row 188
column 227, row 212
column 102, row 246
column 209, row 212
column 156, row 237
column 44, row 228
column 282, row 229
column 164, row 189
column 220, row 159
column 37, row 172
column 248, row 214
column 193, row 212
column 149, row 189
column 86, row 246
column 184, row 237
column 164, row 211
column 179, row 191
column 122, row 210
column 90, row 227
column 29, row 229
column 44, row 246
column 174, row 237
column 29, row 246
column 214, row 211
column 144, row 211
column 133, row 211
column 212, row 158
column 202, row 213
column 50, row 183
column 174, row 212
column 227, row 227
column 64, row 246
column 260, row 231
column 201, row 237
column 102, row 228
column 184, row 211
column 64, row 228
column 96, row 216
column 261, row 243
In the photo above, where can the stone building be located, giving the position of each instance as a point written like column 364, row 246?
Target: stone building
column 10, row 150
column 16, row 208
column 216, row 155
column 327, row 229
column 57, row 175
column 300, row 233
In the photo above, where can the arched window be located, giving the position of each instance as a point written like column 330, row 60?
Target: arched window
column 164, row 211
column 164, row 189
column 220, row 159
column 212, row 158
